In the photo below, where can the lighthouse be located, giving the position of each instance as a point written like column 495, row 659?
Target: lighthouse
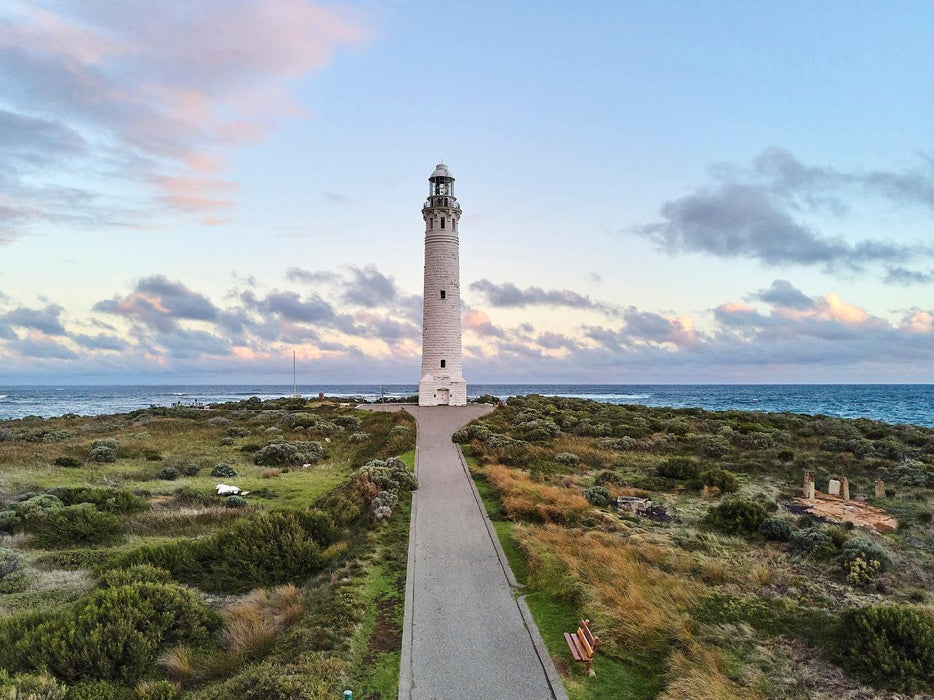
column 442, row 382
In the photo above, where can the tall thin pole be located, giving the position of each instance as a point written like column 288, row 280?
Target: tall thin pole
column 293, row 374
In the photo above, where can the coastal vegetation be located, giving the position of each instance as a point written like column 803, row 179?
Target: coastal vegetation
column 125, row 574
column 720, row 581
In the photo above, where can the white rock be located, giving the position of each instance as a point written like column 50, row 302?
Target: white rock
column 225, row 490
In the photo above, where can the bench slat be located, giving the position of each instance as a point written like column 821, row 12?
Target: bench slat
column 581, row 648
column 582, row 639
column 572, row 646
column 588, row 635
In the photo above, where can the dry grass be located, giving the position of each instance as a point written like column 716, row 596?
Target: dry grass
column 182, row 521
column 697, row 674
column 637, row 604
column 527, row 499
column 269, row 473
column 178, row 663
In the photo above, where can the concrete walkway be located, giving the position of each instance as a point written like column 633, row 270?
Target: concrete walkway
column 464, row 634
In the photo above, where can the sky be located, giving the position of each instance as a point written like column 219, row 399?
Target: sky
column 653, row 192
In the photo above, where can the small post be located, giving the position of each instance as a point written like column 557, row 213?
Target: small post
column 809, row 486
column 833, row 487
column 880, row 489
column 845, row 488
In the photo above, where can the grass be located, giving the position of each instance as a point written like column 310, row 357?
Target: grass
column 684, row 611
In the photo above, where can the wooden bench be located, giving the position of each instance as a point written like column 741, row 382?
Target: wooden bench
column 583, row 645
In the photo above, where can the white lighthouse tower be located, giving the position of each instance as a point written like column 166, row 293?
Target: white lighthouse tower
column 442, row 382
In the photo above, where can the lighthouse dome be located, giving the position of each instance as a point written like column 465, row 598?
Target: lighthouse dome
column 441, row 170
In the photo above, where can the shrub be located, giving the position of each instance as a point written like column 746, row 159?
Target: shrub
column 78, row 526
column 29, row 513
column 715, row 446
column 12, row 578
column 785, row 456
column 775, row 529
column 237, row 432
column 168, row 473
column 235, row 501
column 358, row 438
column 609, row 477
column 5, row 434
column 157, row 690
column 223, row 470
column 681, row 468
column 113, row 633
column 226, row 441
column 27, row 686
column 138, row 573
column 722, row 479
column 110, row 500
column 737, row 517
column 866, row 550
column 598, row 496
column 811, row 541
column 381, row 481
column 266, row 550
column 289, row 454
column 191, row 470
column 92, row 690
column 69, row 462
column 890, row 646
column 568, row 458
column 102, row 453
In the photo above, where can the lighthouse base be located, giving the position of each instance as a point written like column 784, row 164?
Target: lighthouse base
column 436, row 391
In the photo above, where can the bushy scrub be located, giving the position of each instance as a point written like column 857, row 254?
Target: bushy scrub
column 567, row 458
column 237, row 432
column 157, row 690
column 12, row 578
column 138, row 573
column 357, row 438
column 280, row 454
column 102, row 454
column 609, row 477
column 29, row 686
column 862, row 560
column 226, row 441
column 92, row 690
column 168, row 473
column 737, row 517
column 775, row 530
column 266, row 550
column 110, row 500
column 722, row 479
column 890, row 646
column 223, row 470
column 598, row 496
column 681, row 468
column 26, row 514
column 382, row 482
column 813, row 542
column 191, row 470
column 235, row 502
column 113, row 633
column 474, row 431
column 714, row 446
column 68, row 462
column 40, row 435
column 78, row 526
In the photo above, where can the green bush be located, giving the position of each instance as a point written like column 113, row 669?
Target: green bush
column 138, row 573
column 168, row 473
column 737, row 517
column 27, row 686
column 874, row 558
column 226, row 442
column 289, row 454
column 102, row 453
column 78, row 526
column 812, row 541
column 113, row 633
column 890, row 646
column 598, row 496
column 775, row 529
column 110, row 500
column 567, row 458
column 715, row 446
column 157, row 690
column 223, row 470
column 70, row 462
column 191, row 470
column 681, row 468
column 28, row 513
column 235, row 501
column 357, row 438
column 92, row 690
column 12, row 577
column 266, row 550
column 722, row 479
column 609, row 477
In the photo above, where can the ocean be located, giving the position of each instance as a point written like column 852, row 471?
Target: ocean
column 892, row 403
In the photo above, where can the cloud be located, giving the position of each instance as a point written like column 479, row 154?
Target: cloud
column 36, row 347
column 101, row 341
column 154, row 96
column 46, row 320
column 508, row 295
column 758, row 214
column 159, row 303
column 479, row 322
column 904, row 276
column 783, row 293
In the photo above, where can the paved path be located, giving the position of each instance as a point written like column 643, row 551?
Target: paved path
column 465, row 635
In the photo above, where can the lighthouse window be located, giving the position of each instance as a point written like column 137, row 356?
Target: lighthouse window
column 443, row 363
column 431, row 223
column 442, row 222
column 442, row 294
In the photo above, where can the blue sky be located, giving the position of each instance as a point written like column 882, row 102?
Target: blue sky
column 655, row 192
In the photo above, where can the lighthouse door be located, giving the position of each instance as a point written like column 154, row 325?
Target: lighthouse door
column 444, row 397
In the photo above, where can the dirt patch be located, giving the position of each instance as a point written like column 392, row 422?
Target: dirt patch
column 835, row 509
